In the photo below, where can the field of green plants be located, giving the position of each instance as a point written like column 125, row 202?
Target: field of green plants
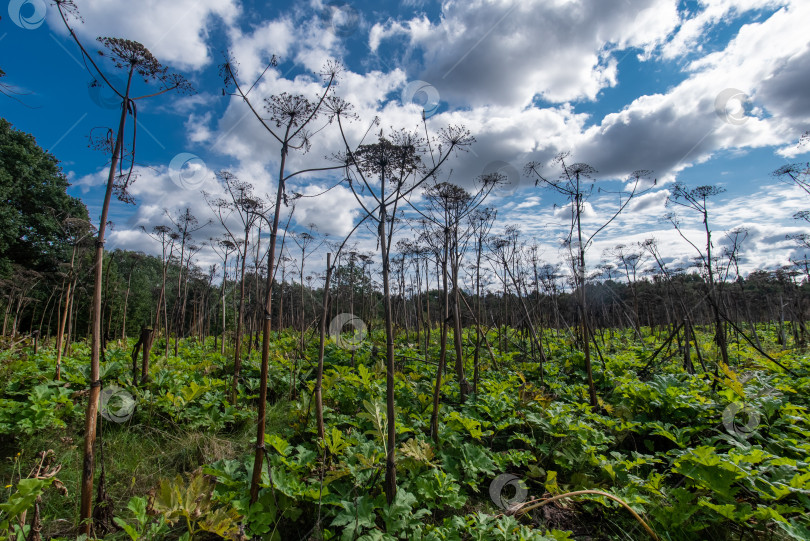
column 666, row 455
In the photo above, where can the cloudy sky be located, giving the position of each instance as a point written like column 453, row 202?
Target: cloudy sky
column 702, row 92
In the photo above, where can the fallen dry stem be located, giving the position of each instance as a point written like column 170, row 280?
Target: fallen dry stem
column 526, row 508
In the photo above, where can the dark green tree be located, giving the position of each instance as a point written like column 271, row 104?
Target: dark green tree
column 32, row 189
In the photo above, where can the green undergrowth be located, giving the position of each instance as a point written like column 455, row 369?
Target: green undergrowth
column 696, row 456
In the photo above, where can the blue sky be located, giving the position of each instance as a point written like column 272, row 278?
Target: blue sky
column 705, row 92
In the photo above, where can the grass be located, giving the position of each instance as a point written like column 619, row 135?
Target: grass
column 135, row 457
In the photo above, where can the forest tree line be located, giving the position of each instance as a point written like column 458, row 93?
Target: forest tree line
column 34, row 297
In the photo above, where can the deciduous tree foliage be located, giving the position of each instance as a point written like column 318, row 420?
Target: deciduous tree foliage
column 34, row 202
